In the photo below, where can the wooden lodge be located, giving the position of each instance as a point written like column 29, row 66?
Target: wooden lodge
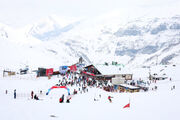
column 128, row 88
column 156, row 76
column 106, row 72
column 10, row 73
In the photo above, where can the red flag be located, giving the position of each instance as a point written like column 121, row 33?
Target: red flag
column 127, row 106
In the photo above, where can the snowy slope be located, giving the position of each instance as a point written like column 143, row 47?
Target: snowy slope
column 162, row 104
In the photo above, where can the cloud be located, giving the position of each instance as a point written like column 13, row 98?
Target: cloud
column 21, row 12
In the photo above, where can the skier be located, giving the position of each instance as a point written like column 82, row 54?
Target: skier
column 60, row 100
column 109, row 98
column 68, row 99
column 15, row 94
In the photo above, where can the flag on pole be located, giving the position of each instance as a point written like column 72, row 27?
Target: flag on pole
column 127, row 106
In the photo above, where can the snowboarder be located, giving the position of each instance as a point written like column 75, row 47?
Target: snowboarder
column 15, row 94
column 60, row 100
column 109, row 98
column 32, row 94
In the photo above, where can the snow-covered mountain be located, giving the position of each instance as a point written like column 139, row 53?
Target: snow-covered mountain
column 142, row 41
column 50, row 28
column 150, row 41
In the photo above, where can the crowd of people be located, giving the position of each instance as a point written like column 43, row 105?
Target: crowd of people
column 82, row 83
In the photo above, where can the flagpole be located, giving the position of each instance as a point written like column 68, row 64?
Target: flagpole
column 129, row 101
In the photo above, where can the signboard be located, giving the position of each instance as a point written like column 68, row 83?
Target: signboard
column 73, row 68
column 63, row 69
column 49, row 71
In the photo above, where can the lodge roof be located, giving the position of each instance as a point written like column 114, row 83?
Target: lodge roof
column 129, row 86
column 112, row 70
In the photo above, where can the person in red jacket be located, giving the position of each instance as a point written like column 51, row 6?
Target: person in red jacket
column 60, row 100
column 109, row 98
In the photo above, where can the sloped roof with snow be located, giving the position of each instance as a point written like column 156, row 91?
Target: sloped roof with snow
column 129, row 86
column 112, row 70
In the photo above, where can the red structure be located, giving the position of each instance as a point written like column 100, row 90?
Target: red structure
column 73, row 68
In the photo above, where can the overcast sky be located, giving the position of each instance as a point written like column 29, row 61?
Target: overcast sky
column 18, row 13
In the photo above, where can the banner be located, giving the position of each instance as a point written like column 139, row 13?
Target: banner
column 73, row 68
column 63, row 69
column 49, row 71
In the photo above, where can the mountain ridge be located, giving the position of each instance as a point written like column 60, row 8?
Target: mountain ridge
column 144, row 41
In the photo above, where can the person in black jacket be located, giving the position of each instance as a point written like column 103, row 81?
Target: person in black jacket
column 15, row 94
column 62, row 98
column 36, row 97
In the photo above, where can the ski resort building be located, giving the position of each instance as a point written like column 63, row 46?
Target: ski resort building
column 128, row 88
column 107, row 72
